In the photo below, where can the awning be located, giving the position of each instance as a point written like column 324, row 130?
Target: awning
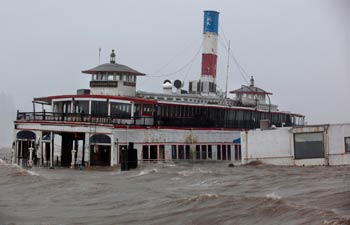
column 237, row 141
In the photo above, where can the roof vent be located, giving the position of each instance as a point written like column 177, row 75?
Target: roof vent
column 252, row 81
column 112, row 57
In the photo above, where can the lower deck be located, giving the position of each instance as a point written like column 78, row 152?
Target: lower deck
column 80, row 145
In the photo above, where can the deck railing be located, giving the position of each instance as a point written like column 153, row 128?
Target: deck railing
column 83, row 118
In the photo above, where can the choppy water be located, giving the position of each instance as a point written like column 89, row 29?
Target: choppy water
column 176, row 194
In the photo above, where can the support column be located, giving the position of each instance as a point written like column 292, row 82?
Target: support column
column 20, row 158
column 15, row 154
column 51, row 149
column 72, row 165
column 112, row 149
column 87, row 149
column 30, row 161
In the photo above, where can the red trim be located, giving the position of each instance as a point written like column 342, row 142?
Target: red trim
column 28, row 129
column 112, row 71
column 63, row 123
column 130, row 127
column 140, row 100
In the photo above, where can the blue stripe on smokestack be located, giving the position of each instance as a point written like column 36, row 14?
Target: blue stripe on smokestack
column 211, row 21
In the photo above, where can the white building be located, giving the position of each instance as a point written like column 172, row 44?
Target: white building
column 307, row 145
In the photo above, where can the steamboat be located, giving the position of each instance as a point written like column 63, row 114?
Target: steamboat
column 99, row 125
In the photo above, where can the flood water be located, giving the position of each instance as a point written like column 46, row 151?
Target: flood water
column 176, row 193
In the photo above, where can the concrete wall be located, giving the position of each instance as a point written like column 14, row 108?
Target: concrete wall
column 336, row 134
column 269, row 146
column 277, row 146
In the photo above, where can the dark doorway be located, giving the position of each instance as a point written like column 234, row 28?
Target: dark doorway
column 100, row 155
column 153, row 152
column 67, row 146
column 70, row 141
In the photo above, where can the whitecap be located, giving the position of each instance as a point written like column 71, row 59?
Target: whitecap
column 145, row 172
column 273, row 196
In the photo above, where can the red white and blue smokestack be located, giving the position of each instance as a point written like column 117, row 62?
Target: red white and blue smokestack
column 210, row 44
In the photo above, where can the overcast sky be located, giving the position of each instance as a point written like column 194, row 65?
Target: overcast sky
column 297, row 49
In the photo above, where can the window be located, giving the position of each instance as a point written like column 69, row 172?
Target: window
column 145, row 152
column 228, row 152
column 347, row 144
column 181, row 152
column 120, row 110
column 188, row 152
column 204, row 152
column 224, row 152
column 238, row 152
column 153, row 152
column 308, row 145
column 147, row 110
column 173, row 152
column 99, row 108
column 209, row 152
column 218, row 152
column 161, row 152
column 198, row 152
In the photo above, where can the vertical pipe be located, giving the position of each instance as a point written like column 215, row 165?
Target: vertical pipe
column 51, row 150
column 112, row 149
column 228, row 66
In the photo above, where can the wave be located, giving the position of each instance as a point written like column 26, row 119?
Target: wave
column 146, row 171
column 273, row 196
column 20, row 171
column 194, row 171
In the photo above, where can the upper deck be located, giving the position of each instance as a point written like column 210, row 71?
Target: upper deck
column 133, row 111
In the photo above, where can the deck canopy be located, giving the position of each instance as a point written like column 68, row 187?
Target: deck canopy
column 113, row 68
column 48, row 99
column 250, row 90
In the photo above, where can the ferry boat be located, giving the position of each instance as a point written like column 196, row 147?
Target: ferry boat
column 94, row 126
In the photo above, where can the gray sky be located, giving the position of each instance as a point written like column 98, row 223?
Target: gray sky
column 297, row 49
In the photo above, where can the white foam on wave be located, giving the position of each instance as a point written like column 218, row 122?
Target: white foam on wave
column 202, row 197
column 147, row 171
column 32, row 173
column 29, row 172
column 2, row 162
column 273, row 196
column 187, row 173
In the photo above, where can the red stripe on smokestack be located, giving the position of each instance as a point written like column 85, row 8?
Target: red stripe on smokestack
column 209, row 65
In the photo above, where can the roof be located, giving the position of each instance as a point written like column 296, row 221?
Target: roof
column 48, row 99
column 250, row 90
column 113, row 68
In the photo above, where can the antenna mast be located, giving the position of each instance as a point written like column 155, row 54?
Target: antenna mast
column 99, row 56
column 228, row 66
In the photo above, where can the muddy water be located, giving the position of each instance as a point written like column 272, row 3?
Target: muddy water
column 181, row 193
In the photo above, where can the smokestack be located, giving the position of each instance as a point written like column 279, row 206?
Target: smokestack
column 209, row 54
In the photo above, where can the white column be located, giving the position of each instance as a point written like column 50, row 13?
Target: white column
column 72, row 106
column 90, row 107
column 30, row 162
column 72, row 164
column 87, row 149
column 51, row 149
column 132, row 109
column 109, row 108
column 15, row 154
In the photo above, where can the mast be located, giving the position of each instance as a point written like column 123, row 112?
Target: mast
column 228, row 66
